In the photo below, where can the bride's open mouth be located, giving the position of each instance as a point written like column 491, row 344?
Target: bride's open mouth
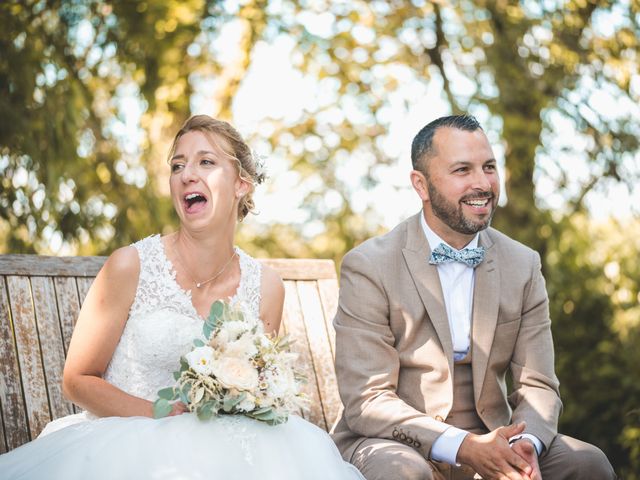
column 194, row 202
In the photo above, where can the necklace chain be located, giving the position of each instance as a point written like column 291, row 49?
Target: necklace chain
column 200, row 284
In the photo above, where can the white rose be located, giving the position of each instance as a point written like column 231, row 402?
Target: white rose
column 200, row 359
column 233, row 329
column 281, row 384
column 234, row 372
column 244, row 347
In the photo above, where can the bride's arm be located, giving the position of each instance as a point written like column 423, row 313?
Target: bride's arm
column 98, row 329
column 271, row 300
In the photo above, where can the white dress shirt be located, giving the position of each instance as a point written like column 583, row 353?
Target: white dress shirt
column 457, row 282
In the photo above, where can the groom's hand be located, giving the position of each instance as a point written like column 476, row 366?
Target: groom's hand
column 525, row 448
column 491, row 456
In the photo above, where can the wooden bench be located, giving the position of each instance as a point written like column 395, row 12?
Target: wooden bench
column 40, row 298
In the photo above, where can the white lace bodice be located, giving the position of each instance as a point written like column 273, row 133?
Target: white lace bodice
column 163, row 322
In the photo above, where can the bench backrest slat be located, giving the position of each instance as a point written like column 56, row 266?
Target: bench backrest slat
column 321, row 355
column 40, row 298
column 294, row 328
column 51, row 343
column 29, row 357
column 14, row 418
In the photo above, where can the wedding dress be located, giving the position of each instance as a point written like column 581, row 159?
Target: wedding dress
column 161, row 326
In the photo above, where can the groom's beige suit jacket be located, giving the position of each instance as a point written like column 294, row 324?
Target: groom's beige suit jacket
column 394, row 353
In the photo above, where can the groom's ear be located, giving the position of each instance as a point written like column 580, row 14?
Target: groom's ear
column 419, row 183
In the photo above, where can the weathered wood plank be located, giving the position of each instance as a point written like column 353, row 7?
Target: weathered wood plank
column 83, row 287
column 291, row 318
column 329, row 298
column 3, row 440
column 51, row 343
column 321, row 352
column 68, row 306
column 14, row 416
column 301, row 269
column 44, row 266
column 31, row 368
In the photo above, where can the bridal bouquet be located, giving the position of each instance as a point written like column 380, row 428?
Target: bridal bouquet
column 237, row 370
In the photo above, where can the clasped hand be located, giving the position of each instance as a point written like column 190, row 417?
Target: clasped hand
column 493, row 458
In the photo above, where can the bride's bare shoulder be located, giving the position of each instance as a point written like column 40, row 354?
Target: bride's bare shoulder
column 123, row 262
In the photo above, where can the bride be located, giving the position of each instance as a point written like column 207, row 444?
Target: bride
column 141, row 314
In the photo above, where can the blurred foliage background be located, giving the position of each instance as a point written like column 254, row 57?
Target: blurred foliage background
column 81, row 175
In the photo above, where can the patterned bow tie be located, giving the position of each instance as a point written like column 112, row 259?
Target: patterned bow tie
column 472, row 257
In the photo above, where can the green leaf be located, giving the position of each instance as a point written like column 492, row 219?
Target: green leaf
column 184, row 365
column 262, row 410
column 198, row 343
column 217, row 311
column 168, row 393
column 199, row 394
column 184, row 392
column 205, row 411
column 231, row 402
column 207, row 329
column 161, row 408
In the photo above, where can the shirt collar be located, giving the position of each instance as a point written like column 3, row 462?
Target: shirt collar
column 434, row 240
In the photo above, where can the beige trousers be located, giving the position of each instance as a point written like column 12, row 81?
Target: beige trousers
column 566, row 459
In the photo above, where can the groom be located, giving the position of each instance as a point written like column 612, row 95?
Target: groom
column 431, row 318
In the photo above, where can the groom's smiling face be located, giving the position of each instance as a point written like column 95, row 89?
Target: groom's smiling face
column 462, row 183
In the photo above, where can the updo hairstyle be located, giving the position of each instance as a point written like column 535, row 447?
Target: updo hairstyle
column 248, row 169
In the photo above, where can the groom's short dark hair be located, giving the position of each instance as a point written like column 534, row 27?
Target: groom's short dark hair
column 422, row 145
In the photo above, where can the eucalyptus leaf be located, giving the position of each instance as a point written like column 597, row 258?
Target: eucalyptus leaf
column 262, row 410
column 217, row 311
column 207, row 329
column 205, row 411
column 264, row 416
column 184, row 365
column 184, row 392
column 199, row 394
column 168, row 393
column 161, row 408
column 198, row 343
column 231, row 402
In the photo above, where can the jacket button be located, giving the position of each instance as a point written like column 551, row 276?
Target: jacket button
column 439, row 418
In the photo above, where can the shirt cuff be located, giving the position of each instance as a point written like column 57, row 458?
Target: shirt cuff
column 536, row 441
column 445, row 448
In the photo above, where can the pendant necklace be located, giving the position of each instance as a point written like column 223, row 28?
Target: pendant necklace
column 199, row 284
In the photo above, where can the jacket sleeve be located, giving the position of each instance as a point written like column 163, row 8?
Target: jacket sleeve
column 536, row 396
column 367, row 363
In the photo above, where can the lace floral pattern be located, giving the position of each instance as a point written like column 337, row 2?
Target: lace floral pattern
column 163, row 322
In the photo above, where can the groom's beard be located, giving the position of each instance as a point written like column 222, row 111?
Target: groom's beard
column 453, row 216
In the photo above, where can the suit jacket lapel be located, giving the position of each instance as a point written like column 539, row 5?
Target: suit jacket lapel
column 486, row 302
column 425, row 276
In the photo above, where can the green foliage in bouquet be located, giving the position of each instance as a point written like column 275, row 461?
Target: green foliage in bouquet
column 235, row 369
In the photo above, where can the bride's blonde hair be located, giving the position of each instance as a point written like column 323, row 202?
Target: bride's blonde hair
column 248, row 168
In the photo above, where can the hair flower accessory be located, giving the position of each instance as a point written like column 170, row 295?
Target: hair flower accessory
column 261, row 171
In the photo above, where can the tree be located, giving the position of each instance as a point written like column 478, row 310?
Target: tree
column 66, row 172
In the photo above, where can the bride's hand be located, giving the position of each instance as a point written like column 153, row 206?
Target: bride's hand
column 178, row 408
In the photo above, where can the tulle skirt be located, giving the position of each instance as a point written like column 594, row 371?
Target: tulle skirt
column 177, row 448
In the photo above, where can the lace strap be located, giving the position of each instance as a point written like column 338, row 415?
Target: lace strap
column 249, row 293
column 156, row 283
